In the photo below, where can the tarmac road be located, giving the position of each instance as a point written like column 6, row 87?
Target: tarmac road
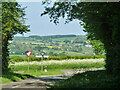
column 38, row 82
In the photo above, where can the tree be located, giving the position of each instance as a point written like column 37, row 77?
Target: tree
column 97, row 45
column 99, row 19
column 12, row 23
column 0, row 40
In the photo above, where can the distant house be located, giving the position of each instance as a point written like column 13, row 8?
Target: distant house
column 88, row 45
column 72, row 41
column 41, row 56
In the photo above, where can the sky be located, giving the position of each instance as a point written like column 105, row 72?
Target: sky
column 41, row 25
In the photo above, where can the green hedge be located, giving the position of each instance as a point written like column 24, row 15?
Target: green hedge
column 16, row 59
column 33, row 58
column 75, row 57
column 20, row 59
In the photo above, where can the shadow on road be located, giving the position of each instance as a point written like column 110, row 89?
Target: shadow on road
column 38, row 82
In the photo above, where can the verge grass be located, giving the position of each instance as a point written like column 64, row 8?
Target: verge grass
column 89, row 79
column 12, row 76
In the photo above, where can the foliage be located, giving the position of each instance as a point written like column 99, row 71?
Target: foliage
column 16, row 59
column 33, row 58
column 100, row 20
column 74, row 57
column 21, row 59
column 12, row 23
column 98, row 46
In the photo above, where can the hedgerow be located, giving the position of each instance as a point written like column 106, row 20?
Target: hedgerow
column 33, row 58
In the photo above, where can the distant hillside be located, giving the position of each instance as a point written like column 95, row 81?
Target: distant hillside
column 51, row 36
column 53, row 45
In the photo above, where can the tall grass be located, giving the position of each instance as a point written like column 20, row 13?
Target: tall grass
column 63, row 64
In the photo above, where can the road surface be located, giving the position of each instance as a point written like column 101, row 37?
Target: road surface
column 43, row 82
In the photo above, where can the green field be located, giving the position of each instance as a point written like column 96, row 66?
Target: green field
column 67, row 38
column 69, row 53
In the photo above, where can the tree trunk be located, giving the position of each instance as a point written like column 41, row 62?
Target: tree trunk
column 110, row 56
column 116, row 64
column 5, row 54
column 116, row 69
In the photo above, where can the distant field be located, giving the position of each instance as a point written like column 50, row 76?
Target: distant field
column 72, row 45
column 74, row 53
column 67, row 38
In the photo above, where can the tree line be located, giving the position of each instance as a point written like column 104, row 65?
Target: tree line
column 50, row 37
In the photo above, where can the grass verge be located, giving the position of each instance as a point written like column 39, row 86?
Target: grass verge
column 90, row 79
column 13, row 77
column 10, row 76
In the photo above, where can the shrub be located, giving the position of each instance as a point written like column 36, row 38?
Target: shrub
column 75, row 57
column 16, row 59
column 33, row 58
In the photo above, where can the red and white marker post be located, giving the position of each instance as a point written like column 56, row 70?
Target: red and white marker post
column 28, row 53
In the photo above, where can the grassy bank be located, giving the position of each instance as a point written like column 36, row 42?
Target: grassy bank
column 12, row 76
column 90, row 79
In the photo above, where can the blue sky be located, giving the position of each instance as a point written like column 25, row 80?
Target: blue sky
column 41, row 25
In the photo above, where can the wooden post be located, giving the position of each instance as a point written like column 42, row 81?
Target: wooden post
column 28, row 64
column 42, row 63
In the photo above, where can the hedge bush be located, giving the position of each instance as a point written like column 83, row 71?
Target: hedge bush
column 33, row 58
column 16, row 59
column 75, row 57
